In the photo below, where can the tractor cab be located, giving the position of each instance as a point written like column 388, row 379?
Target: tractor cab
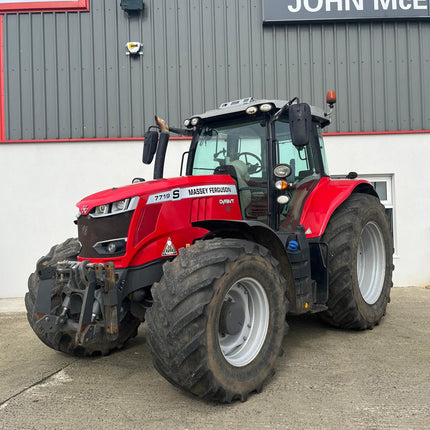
column 248, row 140
column 271, row 148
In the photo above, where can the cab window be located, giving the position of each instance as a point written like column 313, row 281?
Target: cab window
column 303, row 161
column 239, row 148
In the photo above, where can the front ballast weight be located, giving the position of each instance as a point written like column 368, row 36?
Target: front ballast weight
column 88, row 290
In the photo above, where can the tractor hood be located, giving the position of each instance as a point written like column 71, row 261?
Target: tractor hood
column 160, row 190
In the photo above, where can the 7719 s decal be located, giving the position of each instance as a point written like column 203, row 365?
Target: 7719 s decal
column 192, row 192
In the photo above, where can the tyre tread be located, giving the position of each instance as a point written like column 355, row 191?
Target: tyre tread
column 343, row 311
column 176, row 321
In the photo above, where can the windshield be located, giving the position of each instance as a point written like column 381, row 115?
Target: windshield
column 237, row 149
column 232, row 144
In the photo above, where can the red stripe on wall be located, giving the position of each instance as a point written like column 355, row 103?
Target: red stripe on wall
column 95, row 139
column 44, row 6
column 2, row 116
column 114, row 139
column 358, row 133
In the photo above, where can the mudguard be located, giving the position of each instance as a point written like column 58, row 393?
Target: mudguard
column 325, row 198
column 255, row 231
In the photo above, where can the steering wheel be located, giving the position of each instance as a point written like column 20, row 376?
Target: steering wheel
column 252, row 168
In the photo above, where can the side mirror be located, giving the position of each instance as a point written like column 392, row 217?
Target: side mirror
column 150, row 146
column 300, row 123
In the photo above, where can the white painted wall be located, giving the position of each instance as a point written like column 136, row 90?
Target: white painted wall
column 406, row 156
column 41, row 183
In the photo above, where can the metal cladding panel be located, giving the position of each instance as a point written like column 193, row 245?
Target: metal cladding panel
column 67, row 76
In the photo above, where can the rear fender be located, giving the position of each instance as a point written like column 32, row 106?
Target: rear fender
column 325, row 198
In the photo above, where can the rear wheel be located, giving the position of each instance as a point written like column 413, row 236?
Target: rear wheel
column 218, row 319
column 360, row 263
column 64, row 340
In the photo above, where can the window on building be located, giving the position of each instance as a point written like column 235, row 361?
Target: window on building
column 384, row 188
column 383, row 185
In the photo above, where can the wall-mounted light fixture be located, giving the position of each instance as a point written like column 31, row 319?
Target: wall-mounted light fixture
column 134, row 48
column 132, row 6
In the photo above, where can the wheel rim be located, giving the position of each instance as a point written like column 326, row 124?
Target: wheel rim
column 244, row 320
column 371, row 263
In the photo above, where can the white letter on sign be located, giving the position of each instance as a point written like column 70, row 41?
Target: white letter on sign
column 385, row 4
column 404, row 6
column 313, row 9
column 297, row 8
column 417, row 4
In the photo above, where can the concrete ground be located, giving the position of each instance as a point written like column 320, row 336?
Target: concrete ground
column 327, row 379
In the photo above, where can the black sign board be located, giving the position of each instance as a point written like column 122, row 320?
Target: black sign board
column 322, row 10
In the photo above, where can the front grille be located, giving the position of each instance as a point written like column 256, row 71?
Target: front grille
column 93, row 230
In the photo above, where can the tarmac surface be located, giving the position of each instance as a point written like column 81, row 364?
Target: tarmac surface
column 326, row 379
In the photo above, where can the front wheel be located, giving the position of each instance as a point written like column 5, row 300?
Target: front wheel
column 218, row 319
column 360, row 263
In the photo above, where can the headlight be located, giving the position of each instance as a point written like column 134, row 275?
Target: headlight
column 119, row 206
column 101, row 210
column 124, row 205
column 252, row 110
column 112, row 247
column 282, row 171
column 266, row 107
column 283, row 200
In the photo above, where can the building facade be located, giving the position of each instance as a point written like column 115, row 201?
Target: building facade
column 75, row 102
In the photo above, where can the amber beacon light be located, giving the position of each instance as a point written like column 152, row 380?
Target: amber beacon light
column 331, row 98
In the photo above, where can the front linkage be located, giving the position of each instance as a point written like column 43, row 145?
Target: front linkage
column 89, row 298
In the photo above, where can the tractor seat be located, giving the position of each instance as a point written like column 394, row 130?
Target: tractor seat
column 239, row 172
column 226, row 169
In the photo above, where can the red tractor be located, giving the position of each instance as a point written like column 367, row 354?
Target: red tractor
column 216, row 259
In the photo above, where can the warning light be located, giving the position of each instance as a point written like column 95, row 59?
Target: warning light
column 331, row 98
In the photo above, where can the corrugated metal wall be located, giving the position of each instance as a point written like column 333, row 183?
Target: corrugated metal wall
column 67, row 75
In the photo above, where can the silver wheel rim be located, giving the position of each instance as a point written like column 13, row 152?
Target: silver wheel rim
column 241, row 348
column 371, row 263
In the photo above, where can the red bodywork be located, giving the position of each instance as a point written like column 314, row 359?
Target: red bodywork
column 323, row 201
column 165, row 210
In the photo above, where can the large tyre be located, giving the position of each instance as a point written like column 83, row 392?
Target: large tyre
column 360, row 263
column 218, row 319
column 63, row 341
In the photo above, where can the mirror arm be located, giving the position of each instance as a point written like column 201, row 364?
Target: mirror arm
column 276, row 115
column 181, row 131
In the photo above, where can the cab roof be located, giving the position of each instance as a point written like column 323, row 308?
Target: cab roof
column 238, row 106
